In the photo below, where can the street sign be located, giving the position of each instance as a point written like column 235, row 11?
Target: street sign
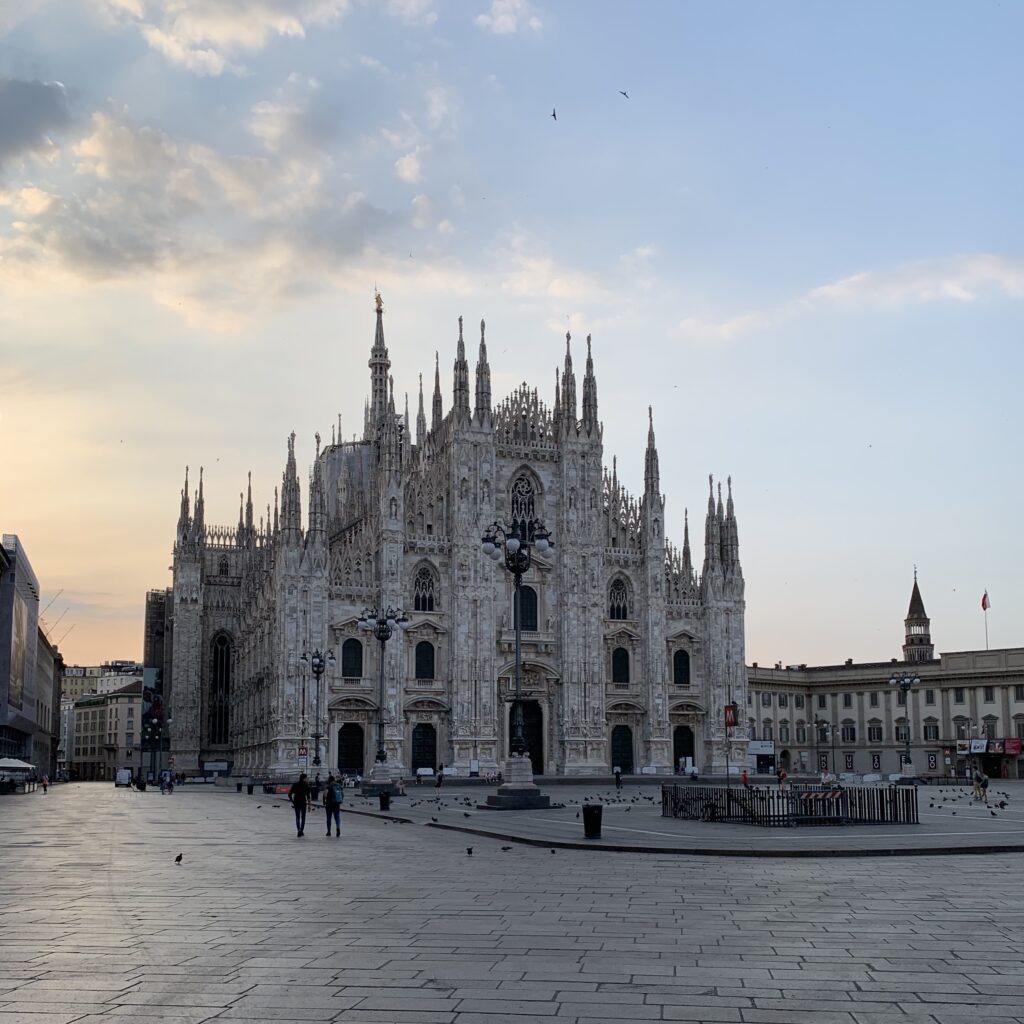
column 303, row 751
column 730, row 716
column 302, row 762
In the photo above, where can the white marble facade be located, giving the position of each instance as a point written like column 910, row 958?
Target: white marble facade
column 628, row 654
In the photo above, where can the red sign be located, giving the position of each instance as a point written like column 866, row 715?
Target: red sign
column 730, row 715
column 303, row 751
column 1013, row 745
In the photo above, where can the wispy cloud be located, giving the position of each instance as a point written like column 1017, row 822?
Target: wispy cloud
column 962, row 279
column 29, row 112
column 506, row 17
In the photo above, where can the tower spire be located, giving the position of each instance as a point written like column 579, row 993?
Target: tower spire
column 421, row 420
column 199, row 516
column 482, row 410
column 248, row 506
column 569, row 388
column 917, row 644
column 291, row 497
column 712, row 534
column 589, row 395
column 379, row 365
column 461, row 383
column 438, row 411
column 730, row 533
column 687, row 562
column 183, row 516
column 652, row 482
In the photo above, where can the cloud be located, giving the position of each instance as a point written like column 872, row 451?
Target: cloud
column 204, row 35
column 960, row 279
column 409, row 168
column 300, row 118
column 29, row 111
column 422, row 212
column 413, row 12
column 507, row 17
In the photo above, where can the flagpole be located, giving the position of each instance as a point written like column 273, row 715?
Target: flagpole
column 986, row 629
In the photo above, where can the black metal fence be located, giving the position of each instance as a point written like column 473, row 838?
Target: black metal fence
column 756, row 805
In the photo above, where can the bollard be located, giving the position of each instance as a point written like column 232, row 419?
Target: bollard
column 248, row 789
column 592, row 821
column 385, row 801
column 238, row 787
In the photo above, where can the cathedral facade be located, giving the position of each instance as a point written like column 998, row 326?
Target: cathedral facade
column 628, row 655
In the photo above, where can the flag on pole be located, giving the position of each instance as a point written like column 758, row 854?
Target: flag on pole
column 985, row 602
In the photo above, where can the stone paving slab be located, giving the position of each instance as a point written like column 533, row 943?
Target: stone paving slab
column 396, row 923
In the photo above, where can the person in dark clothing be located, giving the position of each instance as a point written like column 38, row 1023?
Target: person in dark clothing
column 439, row 781
column 317, row 786
column 299, row 797
column 618, row 778
column 333, row 797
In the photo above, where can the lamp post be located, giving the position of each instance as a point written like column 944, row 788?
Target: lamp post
column 513, row 547
column 730, row 717
column 318, row 662
column 905, row 680
column 382, row 625
column 820, row 726
column 154, row 731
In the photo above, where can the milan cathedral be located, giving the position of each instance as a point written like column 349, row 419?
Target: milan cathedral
column 628, row 654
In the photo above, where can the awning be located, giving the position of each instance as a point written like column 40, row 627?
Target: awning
column 13, row 764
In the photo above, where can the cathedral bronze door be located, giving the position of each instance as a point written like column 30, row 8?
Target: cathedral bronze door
column 533, row 733
column 682, row 744
column 622, row 749
column 351, row 756
column 424, row 747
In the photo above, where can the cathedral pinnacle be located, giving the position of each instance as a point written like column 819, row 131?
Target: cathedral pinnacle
column 437, row 414
column 652, row 479
column 482, row 409
column 421, row 420
column 379, row 365
column 460, row 385
column 589, row 395
column 569, row 388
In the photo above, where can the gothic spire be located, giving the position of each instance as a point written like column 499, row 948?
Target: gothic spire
column 240, row 533
column 687, row 562
column 730, row 534
column 712, row 533
column 248, row 505
column 438, row 411
column 482, row 411
column 589, row 395
column 557, row 414
column 460, row 389
column 199, row 516
column 291, row 497
column 379, row 365
column 183, row 516
column 652, row 482
column 276, row 518
column 569, row 388
column 405, row 425
column 421, row 419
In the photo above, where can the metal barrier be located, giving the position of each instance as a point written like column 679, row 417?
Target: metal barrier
column 785, row 808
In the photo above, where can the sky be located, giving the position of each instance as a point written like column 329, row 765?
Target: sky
column 798, row 238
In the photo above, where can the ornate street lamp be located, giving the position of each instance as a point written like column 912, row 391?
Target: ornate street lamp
column 317, row 662
column 513, row 546
column 382, row 625
column 905, row 680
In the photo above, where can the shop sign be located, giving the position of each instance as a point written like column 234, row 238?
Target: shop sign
column 995, row 746
column 963, row 747
column 979, row 746
column 1013, row 745
column 761, row 747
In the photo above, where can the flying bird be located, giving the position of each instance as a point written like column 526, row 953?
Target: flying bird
column 554, row 115
column 177, row 860
column 622, row 92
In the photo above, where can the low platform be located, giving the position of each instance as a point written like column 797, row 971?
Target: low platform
column 517, row 800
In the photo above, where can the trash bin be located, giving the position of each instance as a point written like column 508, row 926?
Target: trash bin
column 592, row 821
column 238, row 787
column 248, row 789
column 385, row 801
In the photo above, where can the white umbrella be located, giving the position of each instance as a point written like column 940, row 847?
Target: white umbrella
column 13, row 764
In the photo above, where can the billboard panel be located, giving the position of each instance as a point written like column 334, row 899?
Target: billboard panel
column 19, row 653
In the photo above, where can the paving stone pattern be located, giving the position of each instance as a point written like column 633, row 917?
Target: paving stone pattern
column 396, row 923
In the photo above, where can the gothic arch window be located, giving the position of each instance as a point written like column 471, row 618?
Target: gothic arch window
column 618, row 600
column 523, row 506
column 423, row 590
column 681, row 668
column 620, row 665
column 528, row 608
column 223, row 568
column 220, row 689
column 424, row 660
column 352, row 659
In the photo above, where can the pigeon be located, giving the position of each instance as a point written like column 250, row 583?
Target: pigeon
column 466, row 814
column 432, row 818
column 554, row 116
column 993, row 813
column 628, row 809
column 552, row 851
column 622, row 92
column 469, row 851
column 177, row 860
column 505, row 849
column 258, row 806
column 577, row 814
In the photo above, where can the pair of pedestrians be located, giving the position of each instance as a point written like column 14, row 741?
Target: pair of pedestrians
column 300, row 797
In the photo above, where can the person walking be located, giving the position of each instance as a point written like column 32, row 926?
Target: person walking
column 46, row 784
column 984, row 788
column 618, row 778
column 439, row 780
column 744, row 780
column 298, row 795
column 334, row 796
column 317, row 786
column 977, row 785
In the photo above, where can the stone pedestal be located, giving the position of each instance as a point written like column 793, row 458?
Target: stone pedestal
column 518, row 791
column 381, row 780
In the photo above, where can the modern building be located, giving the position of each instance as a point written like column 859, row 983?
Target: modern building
column 966, row 708
column 48, row 678
column 627, row 650
column 106, row 734
column 80, row 680
column 19, row 631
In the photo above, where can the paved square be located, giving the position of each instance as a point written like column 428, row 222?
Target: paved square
column 397, row 923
